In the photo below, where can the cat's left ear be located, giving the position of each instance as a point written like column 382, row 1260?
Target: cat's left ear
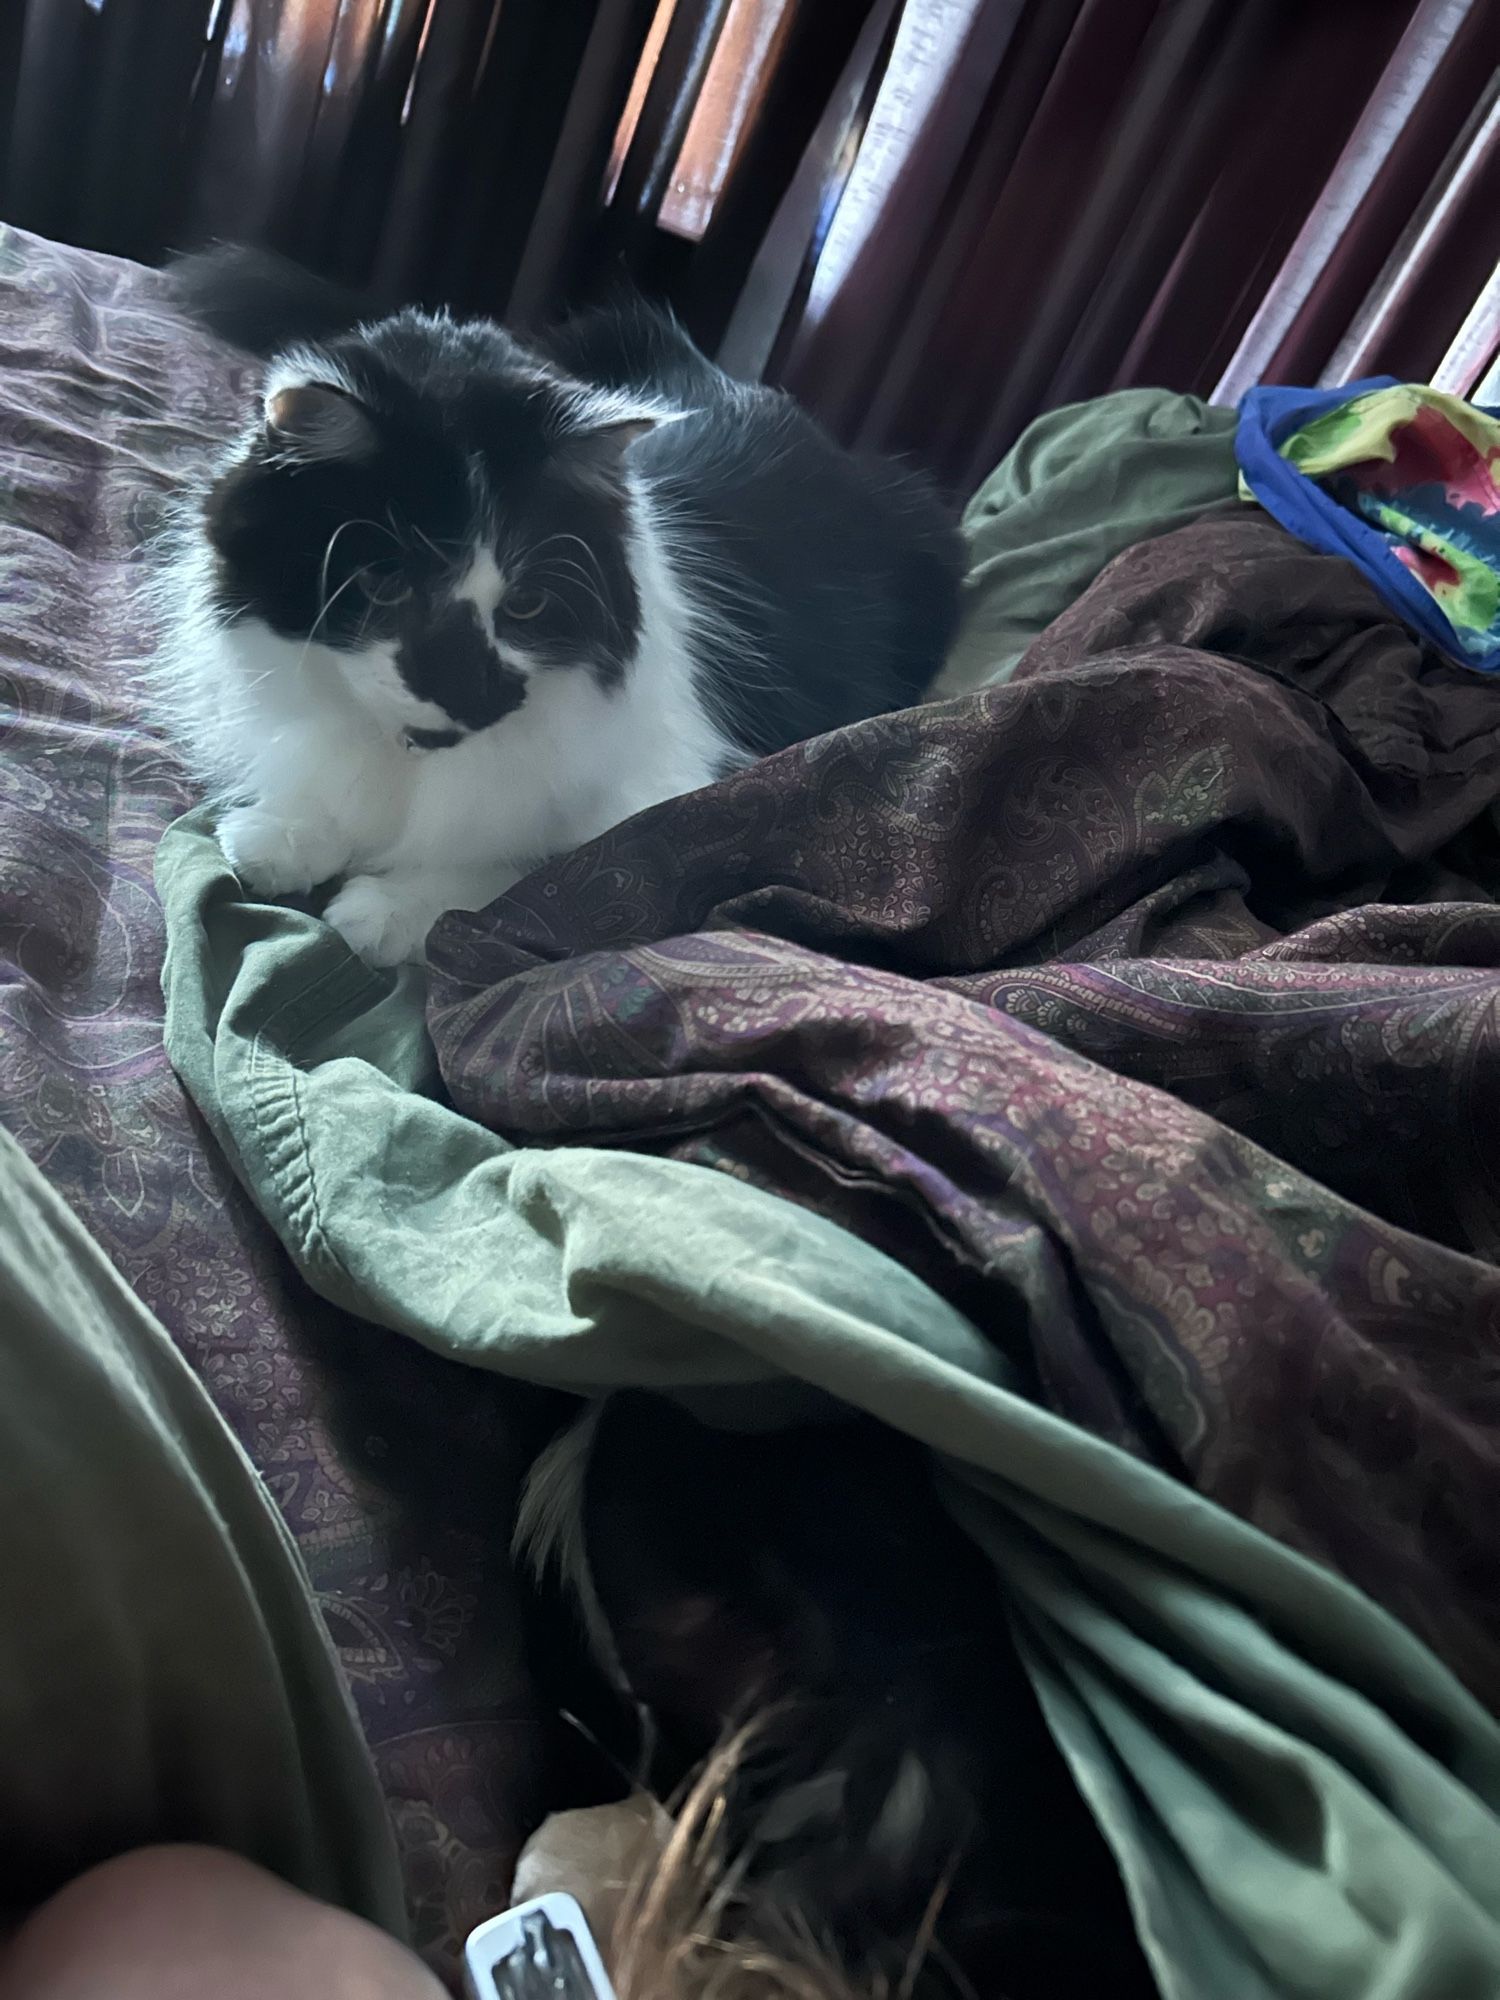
column 603, row 429
column 311, row 419
column 620, row 434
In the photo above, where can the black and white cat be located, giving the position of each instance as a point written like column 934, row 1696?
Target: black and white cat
column 455, row 604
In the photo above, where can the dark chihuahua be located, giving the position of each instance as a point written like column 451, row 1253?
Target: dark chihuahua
column 867, row 1797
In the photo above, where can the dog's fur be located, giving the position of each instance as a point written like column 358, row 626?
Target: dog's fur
column 868, row 1798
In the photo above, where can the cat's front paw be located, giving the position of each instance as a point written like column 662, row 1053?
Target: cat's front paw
column 378, row 922
column 274, row 855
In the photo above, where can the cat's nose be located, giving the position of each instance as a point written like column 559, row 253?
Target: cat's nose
column 450, row 641
column 451, row 661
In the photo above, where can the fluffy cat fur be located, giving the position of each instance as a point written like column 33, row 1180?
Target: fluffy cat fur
column 454, row 604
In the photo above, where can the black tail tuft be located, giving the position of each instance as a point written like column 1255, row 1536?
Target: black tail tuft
column 260, row 302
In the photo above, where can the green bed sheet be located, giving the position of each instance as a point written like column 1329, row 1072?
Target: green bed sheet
column 1080, row 486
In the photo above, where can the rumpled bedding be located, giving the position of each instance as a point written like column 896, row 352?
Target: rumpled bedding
column 1144, row 1007
column 390, row 1469
column 1089, row 1076
column 1080, row 486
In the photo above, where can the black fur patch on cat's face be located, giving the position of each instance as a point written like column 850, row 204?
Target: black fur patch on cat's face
column 448, row 659
column 572, row 580
column 395, row 467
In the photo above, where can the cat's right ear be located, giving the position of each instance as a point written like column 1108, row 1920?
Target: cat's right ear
column 310, row 422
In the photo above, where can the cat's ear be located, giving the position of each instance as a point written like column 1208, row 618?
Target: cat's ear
column 314, row 421
column 602, row 428
column 620, row 433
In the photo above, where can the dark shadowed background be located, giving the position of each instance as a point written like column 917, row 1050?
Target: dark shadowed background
column 930, row 220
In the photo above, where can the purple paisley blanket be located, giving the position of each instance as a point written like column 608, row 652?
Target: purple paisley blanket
column 1148, row 1006
column 391, row 1466
column 1145, row 1006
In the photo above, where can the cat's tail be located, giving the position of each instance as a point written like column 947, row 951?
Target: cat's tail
column 260, row 302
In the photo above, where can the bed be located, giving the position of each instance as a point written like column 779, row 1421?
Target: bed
column 392, row 1473
column 1094, row 1073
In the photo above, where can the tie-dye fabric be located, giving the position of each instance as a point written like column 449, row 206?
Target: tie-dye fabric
column 1402, row 479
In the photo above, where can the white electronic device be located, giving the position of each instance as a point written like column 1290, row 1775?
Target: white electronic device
column 542, row 1950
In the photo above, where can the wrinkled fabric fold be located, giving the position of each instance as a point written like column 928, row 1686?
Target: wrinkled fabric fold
column 899, row 1070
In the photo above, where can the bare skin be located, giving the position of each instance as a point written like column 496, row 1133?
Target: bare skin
column 176, row 1923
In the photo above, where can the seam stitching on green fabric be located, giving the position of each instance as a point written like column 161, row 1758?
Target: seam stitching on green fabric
column 281, row 1128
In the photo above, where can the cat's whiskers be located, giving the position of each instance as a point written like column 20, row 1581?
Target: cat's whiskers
column 442, row 549
column 311, row 639
column 561, row 564
column 257, row 680
column 562, row 536
column 343, row 528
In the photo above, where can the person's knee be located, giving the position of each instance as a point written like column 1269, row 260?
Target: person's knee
column 165, row 1922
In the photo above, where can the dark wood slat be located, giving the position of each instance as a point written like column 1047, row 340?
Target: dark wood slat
column 814, row 52
column 1409, row 164
column 60, row 64
column 568, row 209
column 1441, row 265
column 671, row 97
column 924, row 239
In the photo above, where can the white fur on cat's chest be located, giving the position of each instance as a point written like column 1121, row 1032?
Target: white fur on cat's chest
column 308, row 749
column 313, row 745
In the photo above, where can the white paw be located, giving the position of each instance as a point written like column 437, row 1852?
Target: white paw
column 274, row 856
column 377, row 922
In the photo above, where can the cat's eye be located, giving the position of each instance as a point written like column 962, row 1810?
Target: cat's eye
column 385, row 590
column 524, row 601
